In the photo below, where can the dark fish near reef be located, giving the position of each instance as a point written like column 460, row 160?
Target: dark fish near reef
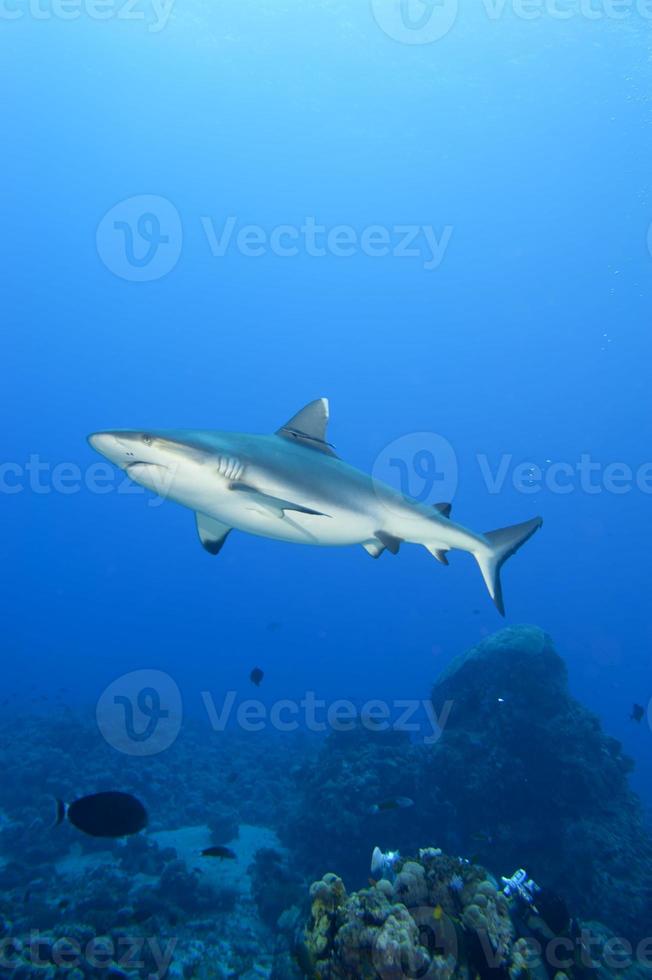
column 638, row 712
column 396, row 803
column 553, row 910
column 256, row 676
column 111, row 814
column 482, row 837
column 305, row 960
column 225, row 853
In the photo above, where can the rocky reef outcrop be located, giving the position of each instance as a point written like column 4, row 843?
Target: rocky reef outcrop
column 535, row 782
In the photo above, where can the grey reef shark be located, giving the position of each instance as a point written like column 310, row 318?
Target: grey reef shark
column 291, row 486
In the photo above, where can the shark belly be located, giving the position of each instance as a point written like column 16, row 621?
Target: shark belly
column 336, row 529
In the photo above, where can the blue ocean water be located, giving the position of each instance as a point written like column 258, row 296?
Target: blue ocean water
column 217, row 212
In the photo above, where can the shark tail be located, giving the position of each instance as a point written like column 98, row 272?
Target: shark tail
column 500, row 546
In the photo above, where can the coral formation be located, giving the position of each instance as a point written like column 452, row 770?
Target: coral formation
column 437, row 932
column 415, row 926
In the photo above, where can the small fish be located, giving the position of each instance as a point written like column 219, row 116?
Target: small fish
column 111, row 814
column 638, row 712
column 63, row 904
column 396, row 803
column 482, row 837
column 256, row 676
column 225, row 853
column 437, row 912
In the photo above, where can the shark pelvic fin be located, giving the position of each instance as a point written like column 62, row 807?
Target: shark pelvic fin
column 212, row 533
column 389, row 541
column 374, row 547
column 308, row 427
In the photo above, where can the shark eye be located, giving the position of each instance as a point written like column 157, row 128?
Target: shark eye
column 147, row 439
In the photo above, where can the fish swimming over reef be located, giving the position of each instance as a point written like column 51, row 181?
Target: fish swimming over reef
column 638, row 712
column 291, row 486
column 256, row 676
column 225, row 853
column 111, row 814
column 396, row 803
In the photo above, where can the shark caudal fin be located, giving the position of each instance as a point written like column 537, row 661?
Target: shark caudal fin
column 502, row 544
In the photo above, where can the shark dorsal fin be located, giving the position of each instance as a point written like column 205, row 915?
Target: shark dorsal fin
column 309, row 427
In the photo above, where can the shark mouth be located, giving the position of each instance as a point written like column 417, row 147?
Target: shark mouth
column 153, row 476
column 139, row 464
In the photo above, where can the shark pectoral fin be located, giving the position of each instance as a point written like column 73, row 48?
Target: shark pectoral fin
column 308, row 427
column 389, row 541
column 212, row 533
column 267, row 504
column 438, row 553
column 373, row 547
column 444, row 509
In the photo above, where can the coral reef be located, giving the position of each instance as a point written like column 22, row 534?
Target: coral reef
column 443, row 918
column 421, row 924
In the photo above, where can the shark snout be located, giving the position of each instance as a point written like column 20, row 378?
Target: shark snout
column 106, row 442
column 115, row 446
column 98, row 441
